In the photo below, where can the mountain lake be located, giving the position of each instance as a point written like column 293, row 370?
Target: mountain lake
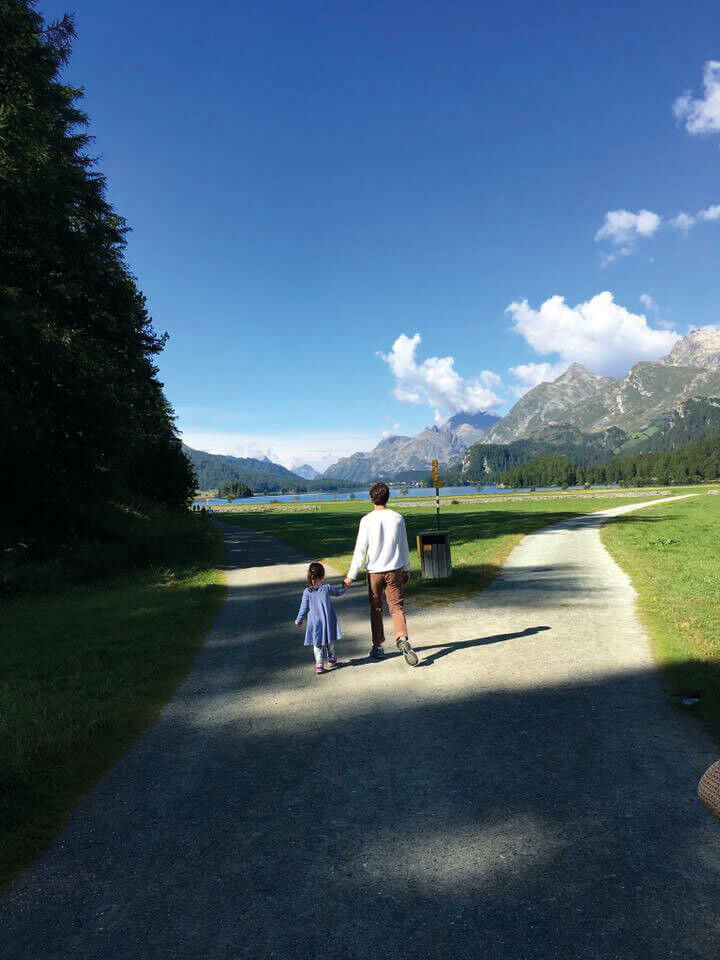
column 362, row 494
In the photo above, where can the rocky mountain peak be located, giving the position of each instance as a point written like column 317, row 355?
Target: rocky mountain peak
column 306, row 471
column 573, row 371
column 471, row 427
column 395, row 455
column 548, row 403
column 393, row 441
column 482, row 420
column 700, row 348
column 577, row 373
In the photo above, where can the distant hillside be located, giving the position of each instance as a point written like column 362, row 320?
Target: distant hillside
column 548, row 404
column 262, row 476
column 690, row 463
column 396, row 455
column 484, row 462
column 694, row 419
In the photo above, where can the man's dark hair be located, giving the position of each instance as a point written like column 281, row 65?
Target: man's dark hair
column 379, row 494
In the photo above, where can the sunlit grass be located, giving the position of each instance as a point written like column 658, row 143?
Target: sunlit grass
column 673, row 564
column 85, row 669
column 482, row 533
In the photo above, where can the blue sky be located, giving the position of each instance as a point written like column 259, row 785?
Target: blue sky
column 309, row 182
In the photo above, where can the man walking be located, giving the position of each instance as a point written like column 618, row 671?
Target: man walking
column 382, row 547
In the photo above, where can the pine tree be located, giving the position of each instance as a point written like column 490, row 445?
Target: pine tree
column 83, row 417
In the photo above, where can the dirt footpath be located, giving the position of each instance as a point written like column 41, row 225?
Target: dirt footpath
column 526, row 792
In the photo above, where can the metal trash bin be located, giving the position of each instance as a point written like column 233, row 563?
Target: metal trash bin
column 434, row 550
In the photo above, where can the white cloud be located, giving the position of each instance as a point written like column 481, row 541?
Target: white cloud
column 318, row 448
column 608, row 258
column 702, row 115
column 599, row 333
column 436, row 382
column 651, row 305
column 647, row 301
column 686, row 221
column 622, row 228
column 683, row 222
column 393, row 431
column 407, row 396
column 529, row 375
column 710, row 213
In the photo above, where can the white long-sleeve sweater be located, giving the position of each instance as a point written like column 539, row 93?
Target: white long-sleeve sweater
column 381, row 544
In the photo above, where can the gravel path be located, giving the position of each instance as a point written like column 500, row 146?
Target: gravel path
column 526, row 792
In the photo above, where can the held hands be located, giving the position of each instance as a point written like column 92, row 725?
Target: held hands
column 348, row 582
column 299, row 623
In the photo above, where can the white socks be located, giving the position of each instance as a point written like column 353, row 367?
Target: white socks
column 320, row 653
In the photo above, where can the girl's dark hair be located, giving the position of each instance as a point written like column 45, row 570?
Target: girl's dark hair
column 316, row 572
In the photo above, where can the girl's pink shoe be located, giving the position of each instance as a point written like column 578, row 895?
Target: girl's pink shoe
column 319, row 668
column 331, row 662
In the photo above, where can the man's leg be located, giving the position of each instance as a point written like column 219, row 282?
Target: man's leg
column 375, row 595
column 396, row 604
column 396, row 601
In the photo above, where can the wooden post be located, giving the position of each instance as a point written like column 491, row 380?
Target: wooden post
column 436, row 483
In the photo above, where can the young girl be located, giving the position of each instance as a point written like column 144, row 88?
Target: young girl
column 322, row 627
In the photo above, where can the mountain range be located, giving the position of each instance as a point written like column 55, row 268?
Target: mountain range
column 400, row 457
column 587, row 417
column 261, row 475
column 591, row 403
column 694, row 419
column 581, row 412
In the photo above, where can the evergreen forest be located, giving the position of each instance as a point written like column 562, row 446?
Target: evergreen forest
column 692, row 463
column 84, row 422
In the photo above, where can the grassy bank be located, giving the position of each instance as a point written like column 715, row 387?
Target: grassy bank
column 673, row 563
column 86, row 666
column 483, row 531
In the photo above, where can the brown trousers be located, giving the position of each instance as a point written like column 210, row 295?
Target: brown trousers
column 391, row 584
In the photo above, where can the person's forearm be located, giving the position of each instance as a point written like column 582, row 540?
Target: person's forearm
column 357, row 559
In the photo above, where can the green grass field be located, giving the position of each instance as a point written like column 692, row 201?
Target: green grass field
column 482, row 533
column 85, row 669
column 673, row 563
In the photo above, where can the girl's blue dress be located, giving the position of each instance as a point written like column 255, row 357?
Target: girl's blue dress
column 322, row 626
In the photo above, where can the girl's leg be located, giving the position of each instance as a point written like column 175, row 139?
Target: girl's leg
column 318, row 654
column 331, row 654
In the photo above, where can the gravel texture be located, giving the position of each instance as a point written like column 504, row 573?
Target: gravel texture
column 526, row 792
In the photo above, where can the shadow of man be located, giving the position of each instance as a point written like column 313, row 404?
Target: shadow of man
column 443, row 649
